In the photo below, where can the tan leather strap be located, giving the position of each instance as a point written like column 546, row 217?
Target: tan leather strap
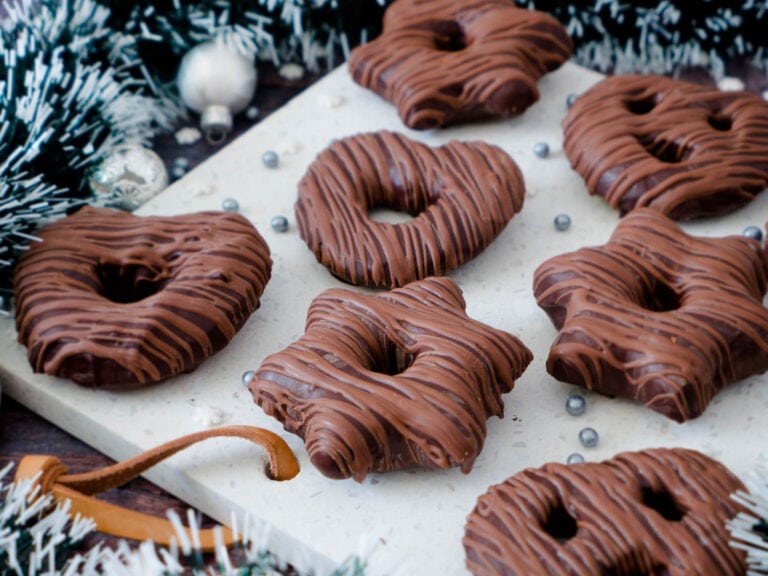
column 51, row 475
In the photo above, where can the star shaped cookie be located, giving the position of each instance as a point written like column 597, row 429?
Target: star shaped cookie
column 389, row 381
column 447, row 61
column 657, row 315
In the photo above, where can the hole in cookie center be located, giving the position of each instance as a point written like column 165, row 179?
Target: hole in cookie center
column 394, row 359
column 665, row 150
column 642, row 106
column 449, row 37
column 560, row 524
column 662, row 299
column 126, row 283
column 388, row 215
column 663, row 502
column 720, row 123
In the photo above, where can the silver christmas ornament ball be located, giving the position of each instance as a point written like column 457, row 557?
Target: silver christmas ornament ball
column 128, row 178
column 217, row 80
column 588, row 437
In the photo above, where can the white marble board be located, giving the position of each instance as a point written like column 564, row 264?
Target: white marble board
column 416, row 517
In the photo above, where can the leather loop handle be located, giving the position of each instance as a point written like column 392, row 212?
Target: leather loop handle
column 50, row 475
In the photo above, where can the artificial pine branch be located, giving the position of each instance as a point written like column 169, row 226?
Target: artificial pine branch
column 749, row 529
column 39, row 538
column 65, row 102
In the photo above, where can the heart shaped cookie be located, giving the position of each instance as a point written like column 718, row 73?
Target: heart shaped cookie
column 461, row 196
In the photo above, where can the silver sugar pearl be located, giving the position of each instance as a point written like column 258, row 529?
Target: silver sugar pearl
column 252, row 112
column 588, row 437
column 279, row 223
column 753, row 232
column 575, row 405
column 230, row 205
column 570, row 99
column 270, row 159
column 562, row 222
column 574, row 458
column 247, row 377
column 541, row 149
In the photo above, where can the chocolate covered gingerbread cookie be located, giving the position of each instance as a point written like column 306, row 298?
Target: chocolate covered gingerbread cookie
column 657, row 315
column 389, row 381
column 461, row 196
column 447, row 61
column 660, row 511
column 687, row 150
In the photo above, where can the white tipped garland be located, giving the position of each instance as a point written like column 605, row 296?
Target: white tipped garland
column 40, row 539
column 621, row 37
column 749, row 530
column 62, row 109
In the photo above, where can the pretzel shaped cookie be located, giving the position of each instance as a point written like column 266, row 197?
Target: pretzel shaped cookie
column 684, row 149
column 446, row 61
column 383, row 382
column 660, row 511
column 657, row 315
column 461, row 195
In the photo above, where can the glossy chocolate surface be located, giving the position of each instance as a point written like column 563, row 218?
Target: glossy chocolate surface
column 687, row 150
column 389, row 381
column 657, row 315
column 447, row 61
column 659, row 511
column 461, row 196
column 112, row 300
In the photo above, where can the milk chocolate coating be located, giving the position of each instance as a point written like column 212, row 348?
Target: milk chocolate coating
column 447, row 61
column 461, row 195
column 389, row 381
column 687, row 150
column 657, row 315
column 659, row 511
column 112, row 300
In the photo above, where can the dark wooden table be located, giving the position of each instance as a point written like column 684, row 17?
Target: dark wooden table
column 23, row 432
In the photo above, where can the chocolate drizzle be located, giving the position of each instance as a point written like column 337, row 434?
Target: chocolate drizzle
column 461, row 195
column 687, row 150
column 657, row 315
column 659, row 511
column 446, row 61
column 112, row 300
column 385, row 382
